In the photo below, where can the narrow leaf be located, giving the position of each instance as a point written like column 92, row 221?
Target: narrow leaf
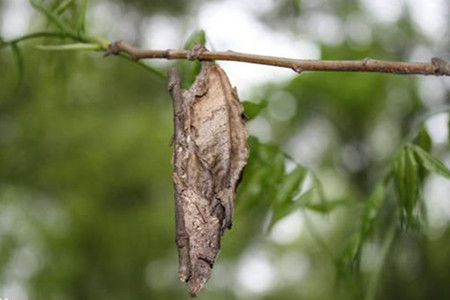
column 66, row 29
column 283, row 209
column 157, row 72
column 385, row 250
column 431, row 163
column 258, row 179
column 372, row 209
column 190, row 69
column 304, row 200
column 197, row 37
column 307, row 197
column 423, row 139
column 350, row 254
column 290, row 185
column 82, row 17
column 411, row 183
column 252, row 109
column 20, row 64
column 70, row 47
column 399, row 170
column 278, row 170
column 327, row 207
column 63, row 6
column 297, row 6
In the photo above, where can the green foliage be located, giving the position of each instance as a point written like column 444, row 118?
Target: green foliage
column 431, row 163
column 85, row 179
column 285, row 192
column 268, row 185
column 70, row 47
column 406, row 177
column 19, row 62
column 75, row 31
column 197, row 37
column 423, row 139
column 82, row 17
column 407, row 170
column 189, row 70
column 63, row 6
column 252, row 109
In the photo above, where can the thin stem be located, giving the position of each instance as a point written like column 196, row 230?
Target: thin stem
column 55, row 19
column 155, row 71
column 57, row 34
column 63, row 6
column 421, row 119
column 316, row 236
column 376, row 277
column 66, row 29
column 437, row 66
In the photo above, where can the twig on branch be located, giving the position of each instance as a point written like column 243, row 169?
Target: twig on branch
column 437, row 66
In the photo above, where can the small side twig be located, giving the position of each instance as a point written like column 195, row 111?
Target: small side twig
column 437, row 66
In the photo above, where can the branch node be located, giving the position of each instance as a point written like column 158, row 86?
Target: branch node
column 441, row 66
column 196, row 51
column 114, row 48
column 166, row 54
column 365, row 61
column 297, row 68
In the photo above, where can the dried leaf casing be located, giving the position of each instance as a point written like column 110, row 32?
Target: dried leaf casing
column 210, row 152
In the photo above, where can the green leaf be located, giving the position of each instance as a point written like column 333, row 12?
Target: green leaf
column 351, row 253
column 399, row 169
column 371, row 210
column 297, row 6
column 266, row 183
column 270, row 155
column 431, row 163
column 286, row 194
column 63, row 6
column 82, row 17
column 290, row 186
column 263, row 171
column 407, row 181
column 411, row 184
column 350, row 257
column 197, row 37
column 326, row 207
column 71, row 47
column 190, row 69
column 20, row 64
column 155, row 71
column 281, row 210
column 65, row 28
column 252, row 109
column 423, row 139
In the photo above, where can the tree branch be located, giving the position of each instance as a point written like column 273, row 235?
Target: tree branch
column 437, row 66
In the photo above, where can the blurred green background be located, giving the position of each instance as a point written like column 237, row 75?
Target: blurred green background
column 86, row 197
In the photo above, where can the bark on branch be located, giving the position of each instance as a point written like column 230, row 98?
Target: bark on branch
column 436, row 66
